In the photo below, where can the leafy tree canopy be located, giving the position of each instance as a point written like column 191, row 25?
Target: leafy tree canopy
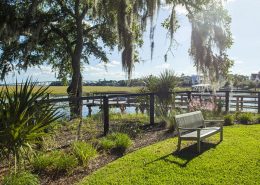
column 34, row 32
column 66, row 33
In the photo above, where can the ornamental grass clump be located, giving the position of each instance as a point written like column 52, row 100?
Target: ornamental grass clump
column 117, row 142
column 21, row 178
column 229, row 119
column 84, row 152
column 55, row 162
column 246, row 118
column 257, row 118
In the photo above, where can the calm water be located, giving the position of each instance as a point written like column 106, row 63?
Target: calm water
column 64, row 107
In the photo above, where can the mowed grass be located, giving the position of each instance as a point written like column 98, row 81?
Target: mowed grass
column 236, row 160
column 62, row 90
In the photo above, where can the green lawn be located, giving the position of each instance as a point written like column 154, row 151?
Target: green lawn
column 236, row 160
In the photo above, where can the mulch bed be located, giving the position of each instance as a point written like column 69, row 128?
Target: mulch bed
column 149, row 135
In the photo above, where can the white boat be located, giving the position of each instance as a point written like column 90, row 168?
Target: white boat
column 202, row 87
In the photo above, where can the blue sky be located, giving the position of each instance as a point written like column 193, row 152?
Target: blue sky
column 245, row 51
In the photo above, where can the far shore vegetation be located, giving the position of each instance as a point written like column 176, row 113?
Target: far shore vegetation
column 62, row 90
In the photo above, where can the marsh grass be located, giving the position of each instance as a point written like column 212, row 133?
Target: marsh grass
column 62, row 90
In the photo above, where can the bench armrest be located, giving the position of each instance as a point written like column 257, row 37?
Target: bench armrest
column 191, row 129
column 220, row 122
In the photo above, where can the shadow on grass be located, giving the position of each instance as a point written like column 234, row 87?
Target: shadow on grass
column 186, row 155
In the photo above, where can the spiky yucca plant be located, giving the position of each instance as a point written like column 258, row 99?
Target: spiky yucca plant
column 24, row 116
column 163, row 86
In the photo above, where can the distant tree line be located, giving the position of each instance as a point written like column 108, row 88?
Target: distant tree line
column 237, row 81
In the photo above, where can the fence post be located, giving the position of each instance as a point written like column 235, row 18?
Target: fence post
column 189, row 96
column 151, row 109
column 106, row 114
column 227, row 101
column 259, row 103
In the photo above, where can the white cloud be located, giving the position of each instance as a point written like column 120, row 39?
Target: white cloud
column 181, row 10
column 166, row 7
column 113, row 63
column 239, row 62
column 163, row 66
column 230, row 1
column 45, row 70
column 92, row 69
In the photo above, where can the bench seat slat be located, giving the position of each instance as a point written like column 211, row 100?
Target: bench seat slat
column 203, row 133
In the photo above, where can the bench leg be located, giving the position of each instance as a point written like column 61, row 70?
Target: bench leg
column 179, row 144
column 198, row 145
column 221, row 134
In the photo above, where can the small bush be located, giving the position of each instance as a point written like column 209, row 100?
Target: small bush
column 57, row 161
column 22, row 178
column 237, row 114
column 116, row 141
column 129, row 118
column 83, row 151
column 229, row 119
column 131, row 129
column 257, row 118
column 246, row 118
column 107, row 144
column 42, row 162
column 170, row 120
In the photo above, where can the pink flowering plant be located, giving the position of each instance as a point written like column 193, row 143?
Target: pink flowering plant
column 203, row 105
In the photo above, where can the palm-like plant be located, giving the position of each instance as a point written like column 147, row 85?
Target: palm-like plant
column 163, row 86
column 165, row 91
column 25, row 114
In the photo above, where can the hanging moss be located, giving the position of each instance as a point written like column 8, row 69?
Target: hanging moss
column 210, row 39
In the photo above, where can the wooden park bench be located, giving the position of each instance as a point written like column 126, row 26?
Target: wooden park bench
column 192, row 126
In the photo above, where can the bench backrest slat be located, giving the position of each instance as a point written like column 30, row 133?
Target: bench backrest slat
column 190, row 120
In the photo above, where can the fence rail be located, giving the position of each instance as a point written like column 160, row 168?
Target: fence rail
column 232, row 101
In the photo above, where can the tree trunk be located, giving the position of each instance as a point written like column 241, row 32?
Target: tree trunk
column 75, row 88
column 75, row 93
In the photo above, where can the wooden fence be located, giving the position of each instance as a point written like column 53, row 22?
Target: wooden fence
column 236, row 100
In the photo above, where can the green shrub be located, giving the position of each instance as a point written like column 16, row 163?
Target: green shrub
column 107, row 144
column 116, row 141
column 129, row 118
column 65, row 162
column 25, row 116
column 257, row 118
column 21, row 178
column 83, row 151
column 169, row 120
column 42, row 162
column 131, row 129
column 246, row 118
column 236, row 115
column 229, row 119
column 57, row 161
